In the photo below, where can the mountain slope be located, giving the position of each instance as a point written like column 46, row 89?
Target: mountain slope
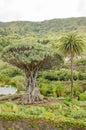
column 41, row 28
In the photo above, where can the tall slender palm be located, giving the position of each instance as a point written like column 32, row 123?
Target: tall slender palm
column 71, row 45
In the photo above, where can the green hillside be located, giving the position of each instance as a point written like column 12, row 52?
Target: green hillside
column 41, row 28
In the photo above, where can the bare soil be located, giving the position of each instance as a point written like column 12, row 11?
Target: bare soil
column 17, row 99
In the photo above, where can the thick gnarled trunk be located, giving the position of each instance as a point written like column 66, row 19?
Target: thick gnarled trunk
column 32, row 93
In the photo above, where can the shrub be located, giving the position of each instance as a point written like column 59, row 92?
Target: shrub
column 7, row 72
column 78, row 113
column 75, row 75
column 77, row 89
column 50, row 89
column 10, row 71
column 9, row 107
column 4, row 80
column 81, row 65
column 59, row 89
column 81, row 61
column 43, row 85
column 82, row 96
column 74, row 102
column 81, row 76
column 67, row 91
column 64, row 74
column 18, row 82
column 50, row 75
column 61, row 75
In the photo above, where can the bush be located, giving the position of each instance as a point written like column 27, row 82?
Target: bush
column 47, row 88
column 74, row 102
column 81, row 76
column 58, row 89
column 82, row 96
column 64, row 75
column 78, row 113
column 75, row 75
column 81, row 65
column 7, row 72
column 44, row 86
column 49, row 75
column 77, row 89
column 61, row 75
column 9, row 107
column 67, row 91
column 4, row 80
column 18, row 82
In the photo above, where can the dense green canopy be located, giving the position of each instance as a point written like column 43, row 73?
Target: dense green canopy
column 31, row 55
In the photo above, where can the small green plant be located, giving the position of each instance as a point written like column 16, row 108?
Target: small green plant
column 18, row 82
column 78, row 113
column 59, row 89
column 82, row 96
column 77, row 89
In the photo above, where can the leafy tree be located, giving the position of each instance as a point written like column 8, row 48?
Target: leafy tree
column 72, row 44
column 4, row 41
column 31, row 57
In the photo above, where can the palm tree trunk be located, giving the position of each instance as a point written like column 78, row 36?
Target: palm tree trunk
column 72, row 91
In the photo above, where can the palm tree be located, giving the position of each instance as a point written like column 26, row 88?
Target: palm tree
column 71, row 45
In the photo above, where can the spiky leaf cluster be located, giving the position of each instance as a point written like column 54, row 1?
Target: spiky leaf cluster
column 72, row 42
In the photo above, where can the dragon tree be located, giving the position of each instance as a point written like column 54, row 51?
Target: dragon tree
column 31, row 58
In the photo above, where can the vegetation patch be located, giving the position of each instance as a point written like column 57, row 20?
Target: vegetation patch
column 57, row 114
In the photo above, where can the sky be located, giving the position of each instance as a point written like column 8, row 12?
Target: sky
column 39, row 10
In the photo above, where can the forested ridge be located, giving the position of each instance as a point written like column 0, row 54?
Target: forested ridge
column 44, row 27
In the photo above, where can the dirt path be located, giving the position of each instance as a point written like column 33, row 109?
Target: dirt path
column 17, row 99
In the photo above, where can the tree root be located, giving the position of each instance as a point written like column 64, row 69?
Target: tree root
column 35, row 96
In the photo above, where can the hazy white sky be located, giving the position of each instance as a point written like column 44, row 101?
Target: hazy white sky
column 38, row 10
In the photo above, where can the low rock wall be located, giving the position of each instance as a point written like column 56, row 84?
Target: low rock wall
column 25, row 125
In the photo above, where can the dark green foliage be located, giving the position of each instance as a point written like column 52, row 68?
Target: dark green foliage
column 61, row 75
column 43, row 41
column 55, row 88
column 50, row 89
column 81, row 76
column 77, row 90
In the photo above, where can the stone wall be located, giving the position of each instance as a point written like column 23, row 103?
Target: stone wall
column 25, row 125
